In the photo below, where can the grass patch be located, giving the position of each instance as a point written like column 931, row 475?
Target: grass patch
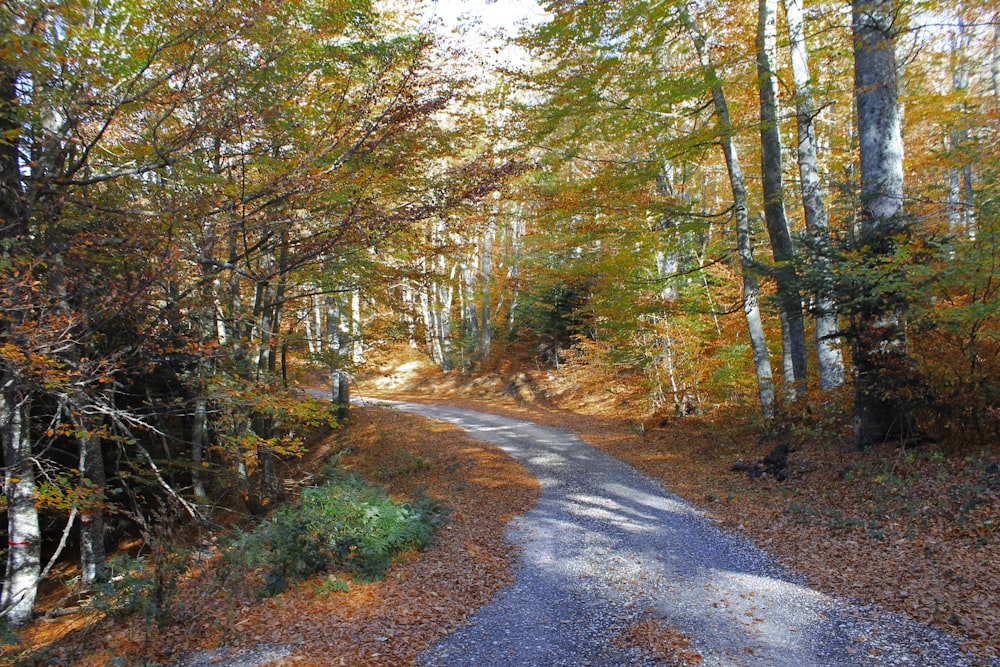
column 342, row 524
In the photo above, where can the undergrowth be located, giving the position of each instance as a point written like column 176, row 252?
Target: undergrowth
column 343, row 523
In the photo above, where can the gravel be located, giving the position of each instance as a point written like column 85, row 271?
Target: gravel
column 607, row 547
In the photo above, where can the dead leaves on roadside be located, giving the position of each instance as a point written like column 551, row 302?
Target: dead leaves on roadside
column 380, row 623
column 660, row 641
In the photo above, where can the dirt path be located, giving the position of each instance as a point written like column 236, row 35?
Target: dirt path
column 609, row 555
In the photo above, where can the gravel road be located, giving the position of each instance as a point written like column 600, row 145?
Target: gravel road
column 606, row 547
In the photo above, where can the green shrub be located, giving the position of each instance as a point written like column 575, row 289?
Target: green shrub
column 139, row 586
column 343, row 524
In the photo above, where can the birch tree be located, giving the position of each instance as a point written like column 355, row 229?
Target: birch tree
column 785, row 271
column 23, row 534
column 879, row 341
column 828, row 354
column 741, row 213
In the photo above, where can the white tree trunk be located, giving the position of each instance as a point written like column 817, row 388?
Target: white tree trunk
column 514, row 272
column 336, row 344
column 307, row 321
column 486, row 277
column 93, row 556
column 960, row 207
column 879, row 137
column 751, row 287
column 357, row 343
column 20, row 584
column 431, row 338
column 468, row 295
column 199, row 436
column 262, row 307
column 444, row 293
column 995, row 59
column 878, row 335
column 828, row 354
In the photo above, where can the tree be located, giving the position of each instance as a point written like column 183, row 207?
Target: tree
column 878, row 333
column 741, row 212
column 785, row 271
column 828, row 354
column 174, row 182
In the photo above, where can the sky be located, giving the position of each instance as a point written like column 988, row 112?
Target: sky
column 483, row 23
column 503, row 14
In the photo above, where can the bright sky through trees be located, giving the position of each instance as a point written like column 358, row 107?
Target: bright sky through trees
column 484, row 25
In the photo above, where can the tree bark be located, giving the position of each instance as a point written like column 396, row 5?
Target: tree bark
column 995, row 59
column 828, row 354
column 469, row 307
column 93, row 555
column 23, row 566
column 357, row 344
column 751, row 286
column 960, row 196
column 486, row 277
column 20, row 584
column 11, row 207
column 516, row 231
column 199, row 436
column 879, row 342
column 336, row 342
column 785, row 271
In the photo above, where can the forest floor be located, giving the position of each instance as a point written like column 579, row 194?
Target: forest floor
column 915, row 531
column 386, row 622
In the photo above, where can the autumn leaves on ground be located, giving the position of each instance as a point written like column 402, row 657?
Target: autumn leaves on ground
column 380, row 623
column 916, row 531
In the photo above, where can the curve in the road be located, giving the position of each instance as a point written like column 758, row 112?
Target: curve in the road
column 606, row 547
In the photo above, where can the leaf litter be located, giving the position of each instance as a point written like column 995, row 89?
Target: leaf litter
column 387, row 622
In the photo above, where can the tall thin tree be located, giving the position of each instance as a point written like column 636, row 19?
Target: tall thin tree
column 741, row 211
column 785, row 271
column 828, row 354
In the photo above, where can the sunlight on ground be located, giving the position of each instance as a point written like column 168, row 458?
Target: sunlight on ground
column 400, row 376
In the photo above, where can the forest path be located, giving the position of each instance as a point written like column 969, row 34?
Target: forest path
column 607, row 552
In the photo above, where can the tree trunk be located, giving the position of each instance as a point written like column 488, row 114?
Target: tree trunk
column 262, row 313
column 486, row 276
column 960, row 207
column 442, row 322
column 336, row 342
column 277, row 305
column 23, row 567
column 11, row 208
column 236, row 316
column 995, row 59
column 357, row 344
column 879, row 342
column 93, row 556
column 427, row 305
column 828, row 355
column 468, row 294
column 20, row 584
column 751, row 287
column 514, row 272
column 785, row 271
column 199, row 436
column 443, row 297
